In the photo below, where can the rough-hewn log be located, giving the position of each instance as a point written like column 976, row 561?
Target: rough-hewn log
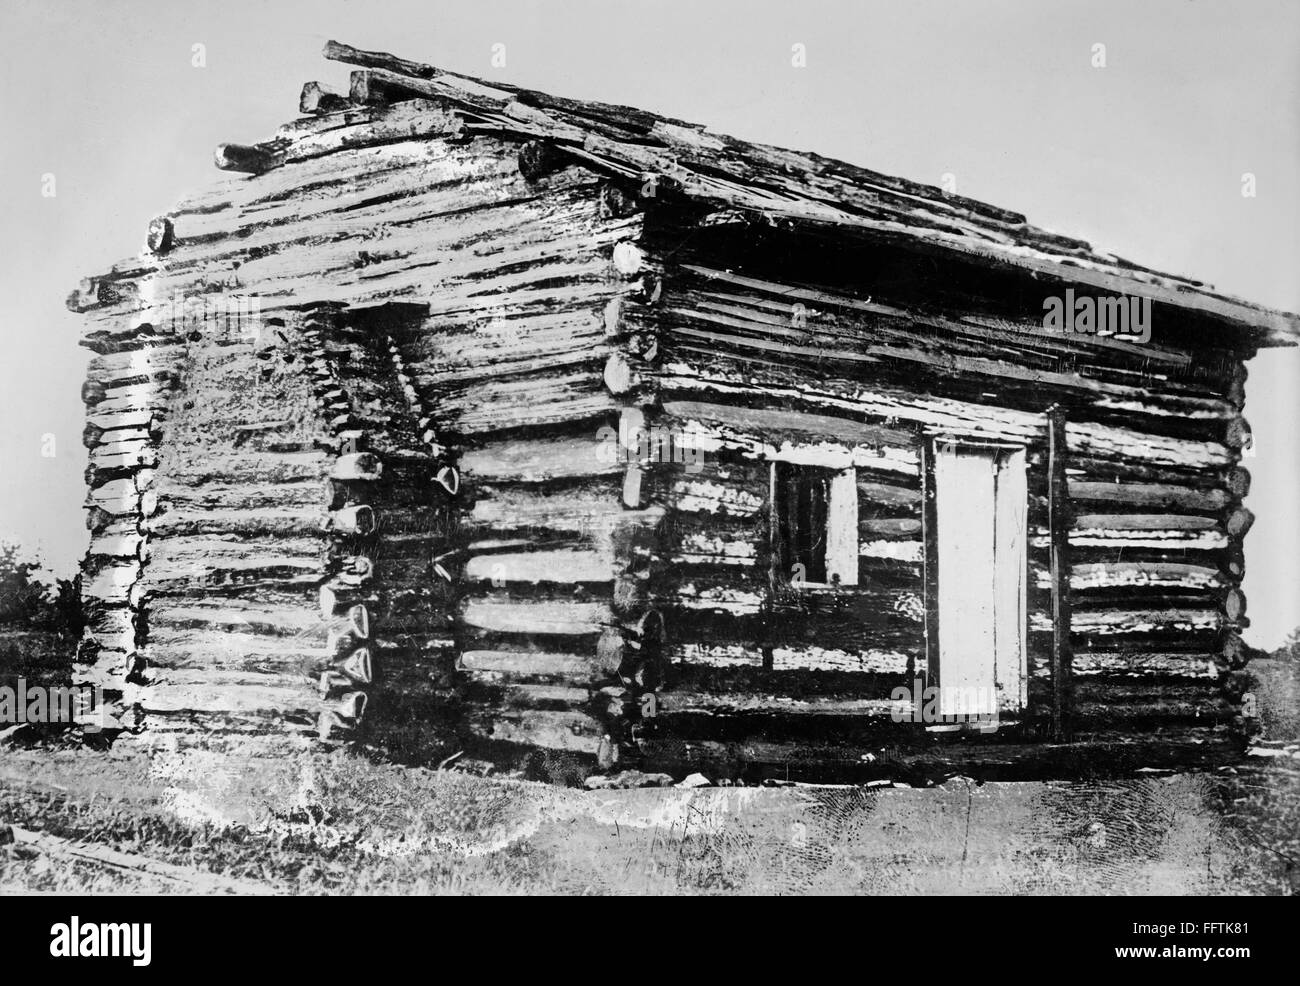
column 554, row 308
column 1150, row 495
column 538, row 158
column 1059, row 525
column 316, row 99
column 161, row 235
column 1239, row 522
column 243, row 158
column 338, row 52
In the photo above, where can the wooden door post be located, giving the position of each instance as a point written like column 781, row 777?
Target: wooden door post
column 1058, row 522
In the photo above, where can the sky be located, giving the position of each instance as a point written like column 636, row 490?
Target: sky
column 1143, row 156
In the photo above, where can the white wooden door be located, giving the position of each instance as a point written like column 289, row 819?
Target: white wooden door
column 980, row 513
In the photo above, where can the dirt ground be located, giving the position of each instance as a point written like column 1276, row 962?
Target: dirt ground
column 189, row 822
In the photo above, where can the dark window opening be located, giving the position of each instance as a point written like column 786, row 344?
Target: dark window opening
column 801, row 499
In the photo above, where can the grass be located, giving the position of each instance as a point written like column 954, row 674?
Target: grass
column 41, row 658
column 337, row 823
column 1260, row 804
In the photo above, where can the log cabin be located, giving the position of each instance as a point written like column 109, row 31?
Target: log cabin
column 464, row 417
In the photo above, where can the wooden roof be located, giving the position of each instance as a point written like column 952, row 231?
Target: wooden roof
column 737, row 179
column 786, row 185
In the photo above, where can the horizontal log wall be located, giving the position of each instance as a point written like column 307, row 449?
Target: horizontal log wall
column 128, row 396
column 758, row 367
column 230, row 633
column 534, row 619
column 512, row 358
column 476, row 322
column 504, row 272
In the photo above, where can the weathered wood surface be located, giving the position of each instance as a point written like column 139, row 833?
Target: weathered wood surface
column 358, row 431
column 1150, row 485
column 726, row 172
